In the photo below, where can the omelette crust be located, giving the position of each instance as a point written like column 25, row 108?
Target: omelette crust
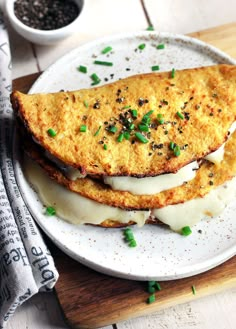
column 208, row 176
column 205, row 97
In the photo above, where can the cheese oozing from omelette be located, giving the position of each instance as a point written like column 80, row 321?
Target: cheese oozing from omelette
column 77, row 209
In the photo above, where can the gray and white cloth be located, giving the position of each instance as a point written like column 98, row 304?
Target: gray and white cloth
column 26, row 265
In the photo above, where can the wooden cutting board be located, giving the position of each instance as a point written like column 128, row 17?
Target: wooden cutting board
column 91, row 300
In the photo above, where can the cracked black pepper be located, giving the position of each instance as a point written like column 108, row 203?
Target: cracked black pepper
column 46, row 14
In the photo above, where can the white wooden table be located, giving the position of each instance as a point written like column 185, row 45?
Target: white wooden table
column 105, row 17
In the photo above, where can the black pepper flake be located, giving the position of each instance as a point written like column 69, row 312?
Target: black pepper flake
column 150, row 153
column 219, row 110
column 120, row 100
column 211, row 174
column 142, row 101
column 211, row 182
column 186, row 115
column 159, row 153
column 96, row 105
column 84, row 118
column 197, row 107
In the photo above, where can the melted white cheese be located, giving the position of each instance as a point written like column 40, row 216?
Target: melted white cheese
column 153, row 185
column 80, row 210
column 73, row 207
column 192, row 211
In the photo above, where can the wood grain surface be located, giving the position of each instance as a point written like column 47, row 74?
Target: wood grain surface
column 91, row 300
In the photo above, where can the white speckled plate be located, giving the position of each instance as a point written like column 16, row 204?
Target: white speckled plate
column 160, row 253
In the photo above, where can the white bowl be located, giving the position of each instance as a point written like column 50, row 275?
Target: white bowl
column 42, row 37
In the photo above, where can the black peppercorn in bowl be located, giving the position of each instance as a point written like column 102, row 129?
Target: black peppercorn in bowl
column 44, row 22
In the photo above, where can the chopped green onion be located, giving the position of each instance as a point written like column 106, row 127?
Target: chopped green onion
column 180, row 115
column 86, row 104
column 82, row 69
column 51, row 132
column 176, row 150
column 155, row 68
column 131, row 126
column 126, row 107
column 95, row 79
column 112, row 129
column 83, row 128
column 151, row 299
column 132, row 243
column 143, row 127
column 126, row 135
column 142, row 46
column 129, row 237
column 106, row 50
column 172, row 145
column 141, row 138
column 98, row 131
column 151, row 289
column 194, row 290
column 105, row 146
column 151, row 283
column 120, row 138
column 150, row 28
column 146, row 118
column 160, row 119
column 172, row 73
column 103, row 63
column 186, row 230
column 161, row 46
column 128, row 233
column 157, row 286
column 134, row 113
column 50, row 211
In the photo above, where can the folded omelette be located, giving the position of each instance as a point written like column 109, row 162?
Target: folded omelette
column 137, row 147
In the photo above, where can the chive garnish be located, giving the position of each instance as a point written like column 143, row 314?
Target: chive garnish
column 186, row 230
column 176, row 150
column 120, row 138
column 172, row 73
column 86, row 104
column 95, row 79
column 155, row 68
column 151, row 299
column 157, row 286
column 105, row 146
column 51, row 132
column 131, row 126
column 133, row 243
column 141, row 46
column 83, row 128
column 143, row 127
column 98, row 131
column 172, row 145
column 112, row 129
column 82, row 69
column 129, row 237
column 180, row 115
column 134, row 113
column 141, row 138
column 146, row 118
column 103, row 63
column 126, row 107
column 126, row 135
column 106, row 50
column 153, row 286
column 50, row 211
column 160, row 119
column 161, row 46
column 194, row 290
